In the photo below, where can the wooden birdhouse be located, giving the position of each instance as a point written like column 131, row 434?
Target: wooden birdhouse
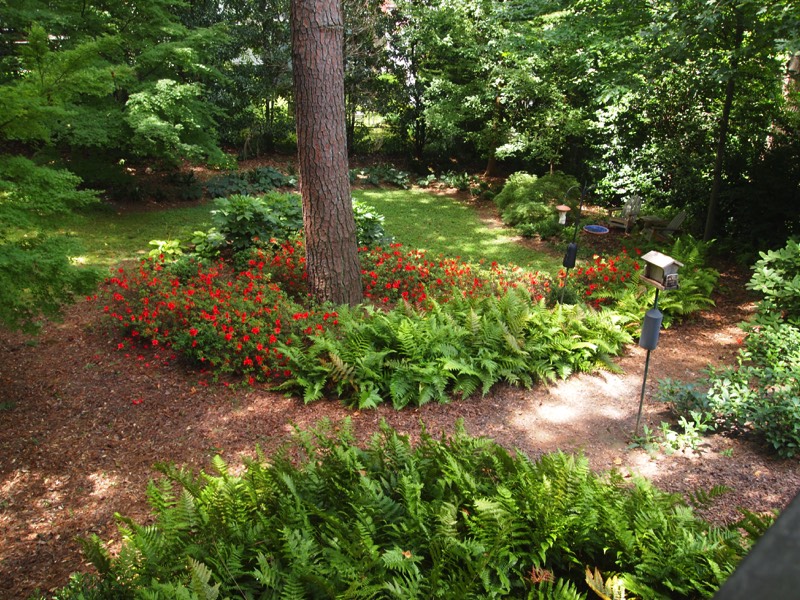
column 661, row 271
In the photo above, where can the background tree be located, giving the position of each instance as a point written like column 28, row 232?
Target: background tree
column 334, row 273
column 85, row 90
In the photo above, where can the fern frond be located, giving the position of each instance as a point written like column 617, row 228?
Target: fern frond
column 612, row 588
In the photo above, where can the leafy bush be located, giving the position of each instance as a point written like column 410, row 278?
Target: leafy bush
column 369, row 225
column 380, row 174
column 522, row 188
column 777, row 276
column 243, row 219
column 761, row 394
column 458, row 518
column 241, row 222
column 255, row 181
column 528, row 202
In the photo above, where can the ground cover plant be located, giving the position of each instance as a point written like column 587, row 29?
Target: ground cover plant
column 477, row 327
column 760, row 395
column 259, row 180
column 451, row 518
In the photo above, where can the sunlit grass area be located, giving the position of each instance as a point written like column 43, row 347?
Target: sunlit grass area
column 108, row 237
column 416, row 219
column 442, row 225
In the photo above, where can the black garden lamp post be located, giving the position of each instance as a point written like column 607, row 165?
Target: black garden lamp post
column 661, row 272
column 571, row 254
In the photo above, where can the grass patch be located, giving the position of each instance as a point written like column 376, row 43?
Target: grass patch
column 416, row 219
column 442, row 225
column 109, row 237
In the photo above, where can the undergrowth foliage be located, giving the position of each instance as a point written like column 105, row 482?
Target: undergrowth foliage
column 760, row 394
column 457, row 518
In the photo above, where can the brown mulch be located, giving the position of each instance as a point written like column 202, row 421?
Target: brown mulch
column 81, row 425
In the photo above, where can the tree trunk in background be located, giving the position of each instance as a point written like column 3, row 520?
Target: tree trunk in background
column 724, row 122
column 791, row 84
column 334, row 273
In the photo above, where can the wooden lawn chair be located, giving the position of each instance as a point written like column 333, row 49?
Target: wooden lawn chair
column 666, row 231
column 627, row 215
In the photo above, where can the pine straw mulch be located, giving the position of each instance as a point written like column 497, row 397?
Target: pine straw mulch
column 81, row 425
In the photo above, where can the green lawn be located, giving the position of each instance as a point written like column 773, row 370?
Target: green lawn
column 109, row 237
column 442, row 225
column 416, row 219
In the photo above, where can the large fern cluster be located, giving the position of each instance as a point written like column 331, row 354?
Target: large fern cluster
column 458, row 348
column 459, row 518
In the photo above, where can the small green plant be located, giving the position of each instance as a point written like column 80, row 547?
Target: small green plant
column 687, row 434
column 648, row 440
column 169, row 249
column 426, row 181
column 460, row 181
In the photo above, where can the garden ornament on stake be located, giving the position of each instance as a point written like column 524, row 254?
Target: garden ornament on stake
column 661, row 271
column 572, row 248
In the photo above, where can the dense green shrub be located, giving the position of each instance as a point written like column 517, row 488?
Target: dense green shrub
column 523, row 187
column 777, row 276
column 761, row 393
column 254, row 181
column 528, row 202
column 242, row 222
column 243, row 219
column 457, row 518
column 369, row 225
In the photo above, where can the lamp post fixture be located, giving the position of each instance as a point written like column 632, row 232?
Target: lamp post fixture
column 571, row 254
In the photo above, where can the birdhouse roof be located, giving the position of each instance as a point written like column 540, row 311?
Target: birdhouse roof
column 660, row 260
column 563, row 208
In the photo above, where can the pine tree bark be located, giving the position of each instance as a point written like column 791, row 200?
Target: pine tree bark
column 334, row 272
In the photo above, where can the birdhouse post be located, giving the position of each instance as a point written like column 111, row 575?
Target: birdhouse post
column 661, row 271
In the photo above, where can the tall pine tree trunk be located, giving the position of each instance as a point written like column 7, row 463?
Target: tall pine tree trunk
column 334, row 273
